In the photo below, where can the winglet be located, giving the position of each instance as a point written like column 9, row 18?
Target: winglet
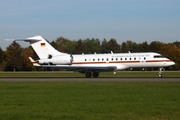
column 33, row 62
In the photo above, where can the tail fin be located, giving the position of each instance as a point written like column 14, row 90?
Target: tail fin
column 42, row 48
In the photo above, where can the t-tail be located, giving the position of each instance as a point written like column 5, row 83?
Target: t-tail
column 41, row 46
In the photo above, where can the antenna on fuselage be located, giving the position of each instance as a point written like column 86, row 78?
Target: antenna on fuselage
column 111, row 52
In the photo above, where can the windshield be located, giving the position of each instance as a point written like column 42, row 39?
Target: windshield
column 159, row 56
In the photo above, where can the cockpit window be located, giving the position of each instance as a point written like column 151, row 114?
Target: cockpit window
column 158, row 56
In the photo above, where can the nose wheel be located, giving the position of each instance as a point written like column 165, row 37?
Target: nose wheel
column 160, row 72
column 160, row 75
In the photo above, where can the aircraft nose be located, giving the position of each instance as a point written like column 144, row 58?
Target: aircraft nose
column 171, row 63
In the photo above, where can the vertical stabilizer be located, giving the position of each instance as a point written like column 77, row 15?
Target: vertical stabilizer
column 42, row 48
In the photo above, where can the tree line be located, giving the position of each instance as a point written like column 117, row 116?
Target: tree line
column 15, row 57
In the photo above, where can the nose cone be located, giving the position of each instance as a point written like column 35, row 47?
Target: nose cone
column 173, row 63
column 169, row 63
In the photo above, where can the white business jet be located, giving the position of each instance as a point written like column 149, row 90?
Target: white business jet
column 93, row 64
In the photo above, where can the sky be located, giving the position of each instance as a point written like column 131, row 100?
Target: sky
column 135, row 20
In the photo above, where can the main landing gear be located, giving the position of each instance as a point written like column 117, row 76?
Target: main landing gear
column 94, row 74
column 160, row 72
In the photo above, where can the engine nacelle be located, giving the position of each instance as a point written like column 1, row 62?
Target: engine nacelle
column 57, row 60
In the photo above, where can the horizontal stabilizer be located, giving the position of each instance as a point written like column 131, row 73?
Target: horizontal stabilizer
column 30, row 39
column 33, row 62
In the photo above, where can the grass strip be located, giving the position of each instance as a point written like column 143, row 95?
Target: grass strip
column 87, row 101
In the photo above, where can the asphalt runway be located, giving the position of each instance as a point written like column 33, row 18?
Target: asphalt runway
column 89, row 79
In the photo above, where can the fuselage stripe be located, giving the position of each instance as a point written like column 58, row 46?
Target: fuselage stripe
column 122, row 62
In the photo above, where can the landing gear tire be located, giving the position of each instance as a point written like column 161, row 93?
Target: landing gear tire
column 88, row 74
column 95, row 74
column 160, row 75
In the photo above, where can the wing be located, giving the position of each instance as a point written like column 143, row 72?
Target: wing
column 82, row 68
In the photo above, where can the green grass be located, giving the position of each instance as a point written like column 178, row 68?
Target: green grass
column 102, row 74
column 89, row 101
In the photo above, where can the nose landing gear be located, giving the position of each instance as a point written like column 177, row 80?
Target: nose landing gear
column 160, row 72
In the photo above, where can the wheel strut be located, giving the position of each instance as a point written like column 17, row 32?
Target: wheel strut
column 160, row 72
